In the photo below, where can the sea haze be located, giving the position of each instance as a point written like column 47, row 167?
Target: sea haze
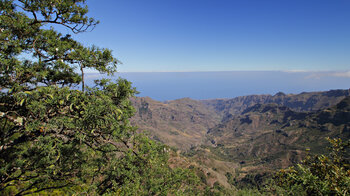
column 164, row 86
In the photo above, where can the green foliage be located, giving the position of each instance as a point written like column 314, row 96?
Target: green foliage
column 57, row 140
column 318, row 175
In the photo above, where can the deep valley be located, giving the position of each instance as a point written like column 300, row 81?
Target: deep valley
column 248, row 135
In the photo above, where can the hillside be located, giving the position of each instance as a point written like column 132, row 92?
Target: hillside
column 266, row 137
column 183, row 123
column 306, row 101
column 236, row 138
column 180, row 123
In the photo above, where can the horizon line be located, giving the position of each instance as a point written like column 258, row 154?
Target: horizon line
column 288, row 71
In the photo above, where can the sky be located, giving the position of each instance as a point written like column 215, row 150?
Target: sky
column 223, row 35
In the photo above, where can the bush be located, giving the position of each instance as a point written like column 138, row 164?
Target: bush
column 318, row 175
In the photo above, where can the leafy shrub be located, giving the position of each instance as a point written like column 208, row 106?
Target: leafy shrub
column 318, row 175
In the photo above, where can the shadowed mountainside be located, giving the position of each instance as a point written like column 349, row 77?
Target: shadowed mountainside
column 267, row 137
column 272, row 136
column 306, row 101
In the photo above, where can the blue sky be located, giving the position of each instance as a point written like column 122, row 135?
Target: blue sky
column 223, row 35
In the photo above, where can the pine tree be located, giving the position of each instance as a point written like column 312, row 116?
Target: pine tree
column 55, row 138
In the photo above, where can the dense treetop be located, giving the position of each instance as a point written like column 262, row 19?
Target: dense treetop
column 55, row 138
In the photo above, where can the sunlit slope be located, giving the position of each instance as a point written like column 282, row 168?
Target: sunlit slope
column 180, row 123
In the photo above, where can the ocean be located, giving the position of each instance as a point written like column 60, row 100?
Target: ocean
column 164, row 86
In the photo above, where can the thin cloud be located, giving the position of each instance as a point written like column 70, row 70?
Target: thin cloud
column 342, row 74
column 296, row 71
column 319, row 75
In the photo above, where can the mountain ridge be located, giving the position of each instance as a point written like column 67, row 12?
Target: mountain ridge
column 248, row 134
column 172, row 121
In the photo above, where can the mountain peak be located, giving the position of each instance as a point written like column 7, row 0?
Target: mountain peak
column 279, row 94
